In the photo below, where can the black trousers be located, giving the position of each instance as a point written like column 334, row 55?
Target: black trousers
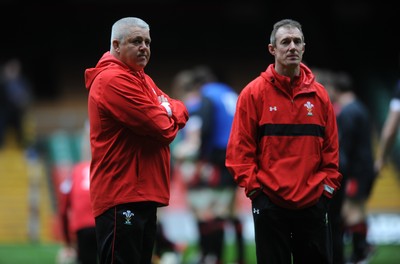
column 338, row 226
column 283, row 235
column 87, row 245
column 126, row 233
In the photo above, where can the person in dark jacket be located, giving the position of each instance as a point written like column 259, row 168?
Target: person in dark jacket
column 16, row 98
column 132, row 123
column 356, row 164
column 284, row 151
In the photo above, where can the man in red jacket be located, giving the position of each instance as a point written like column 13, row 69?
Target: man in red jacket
column 283, row 150
column 132, row 123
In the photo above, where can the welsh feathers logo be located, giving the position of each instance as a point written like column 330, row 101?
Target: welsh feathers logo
column 128, row 215
column 309, row 107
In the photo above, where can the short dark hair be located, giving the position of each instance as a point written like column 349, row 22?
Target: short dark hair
column 343, row 82
column 284, row 23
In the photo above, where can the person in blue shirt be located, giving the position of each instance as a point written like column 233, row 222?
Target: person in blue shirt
column 211, row 190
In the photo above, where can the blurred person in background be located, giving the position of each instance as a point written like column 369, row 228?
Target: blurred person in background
column 284, row 151
column 201, row 153
column 356, row 165
column 165, row 250
column 326, row 78
column 77, row 221
column 17, row 92
column 132, row 123
column 389, row 131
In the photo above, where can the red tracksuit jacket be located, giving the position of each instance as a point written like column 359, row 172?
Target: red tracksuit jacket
column 130, row 133
column 77, row 198
column 284, row 140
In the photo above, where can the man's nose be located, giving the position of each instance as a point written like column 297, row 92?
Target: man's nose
column 292, row 45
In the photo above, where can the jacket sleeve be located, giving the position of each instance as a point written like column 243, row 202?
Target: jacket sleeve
column 241, row 156
column 330, row 155
column 137, row 107
column 179, row 112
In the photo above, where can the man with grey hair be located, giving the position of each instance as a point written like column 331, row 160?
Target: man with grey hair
column 132, row 123
column 284, row 151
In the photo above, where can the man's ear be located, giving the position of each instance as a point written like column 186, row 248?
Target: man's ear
column 115, row 44
column 271, row 49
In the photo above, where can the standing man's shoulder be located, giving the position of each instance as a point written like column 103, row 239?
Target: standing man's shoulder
column 321, row 91
column 256, row 85
column 319, row 87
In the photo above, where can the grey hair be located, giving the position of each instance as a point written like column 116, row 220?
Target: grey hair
column 120, row 27
column 288, row 23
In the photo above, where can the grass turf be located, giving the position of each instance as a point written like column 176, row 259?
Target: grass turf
column 46, row 254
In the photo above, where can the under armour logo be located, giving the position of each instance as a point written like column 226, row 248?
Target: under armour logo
column 273, row 108
column 256, row 211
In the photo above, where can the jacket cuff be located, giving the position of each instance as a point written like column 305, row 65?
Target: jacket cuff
column 167, row 108
column 254, row 193
column 328, row 191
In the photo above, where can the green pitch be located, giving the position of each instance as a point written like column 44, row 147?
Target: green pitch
column 46, row 254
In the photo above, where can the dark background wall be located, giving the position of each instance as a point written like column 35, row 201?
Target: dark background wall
column 58, row 41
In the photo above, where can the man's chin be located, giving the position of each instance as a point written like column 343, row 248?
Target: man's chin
column 292, row 64
column 140, row 65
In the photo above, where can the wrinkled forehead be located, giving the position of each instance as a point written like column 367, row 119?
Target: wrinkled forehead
column 288, row 32
column 138, row 32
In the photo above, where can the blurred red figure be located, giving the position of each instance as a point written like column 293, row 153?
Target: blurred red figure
column 77, row 220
